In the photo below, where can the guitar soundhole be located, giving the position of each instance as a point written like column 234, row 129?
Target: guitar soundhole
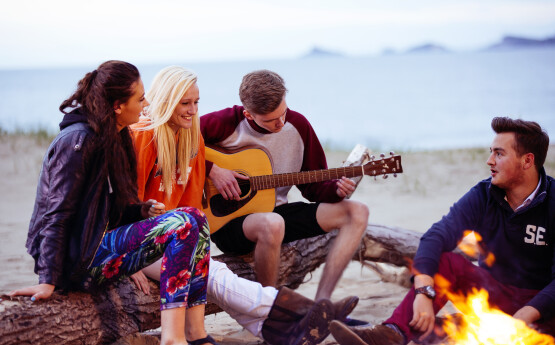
column 245, row 186
column 221, row 207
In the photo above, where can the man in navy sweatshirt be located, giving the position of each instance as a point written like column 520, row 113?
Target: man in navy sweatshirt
column 513, row 212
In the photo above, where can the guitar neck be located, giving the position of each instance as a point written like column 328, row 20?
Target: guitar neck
column 290, row 179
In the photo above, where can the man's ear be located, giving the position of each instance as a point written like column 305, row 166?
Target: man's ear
column 528, row 160
column 248, row 115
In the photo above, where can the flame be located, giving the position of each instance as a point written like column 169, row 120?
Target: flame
column 482, row 324
column 470, row 246
column 469, row 243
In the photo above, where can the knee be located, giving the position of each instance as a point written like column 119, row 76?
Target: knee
column 270, row 229
column 192, row 215
column 358, row 214
column 452, row 265
column 192, row 212
column 450, row 261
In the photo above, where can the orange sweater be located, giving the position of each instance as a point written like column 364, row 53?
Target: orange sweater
column 149, row 182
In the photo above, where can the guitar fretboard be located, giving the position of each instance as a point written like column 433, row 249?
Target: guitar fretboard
column 290, row 179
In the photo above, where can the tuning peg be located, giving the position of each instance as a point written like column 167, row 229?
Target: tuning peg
column 394, row 174
column 385, row 176
column 382, row 155
column 375, row 178
column 392, row 153
column 372, row 157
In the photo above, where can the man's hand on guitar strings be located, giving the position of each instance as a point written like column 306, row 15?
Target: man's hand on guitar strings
column 225, row 182
column 345, row 187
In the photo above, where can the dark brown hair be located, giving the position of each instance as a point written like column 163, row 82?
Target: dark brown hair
column 112, row 152
column 261, row 92
column 529, row 137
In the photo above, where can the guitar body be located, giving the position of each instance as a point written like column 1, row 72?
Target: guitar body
column 248, row 162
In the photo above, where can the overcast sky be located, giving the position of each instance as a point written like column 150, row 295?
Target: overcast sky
column 61, row 33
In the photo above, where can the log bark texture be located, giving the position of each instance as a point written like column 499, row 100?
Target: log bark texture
column 121, row 309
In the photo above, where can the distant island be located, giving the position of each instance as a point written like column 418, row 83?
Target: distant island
column 423, row 48
column 319, row 52
column 507, row 43
column 428, row 48
column 515, row 42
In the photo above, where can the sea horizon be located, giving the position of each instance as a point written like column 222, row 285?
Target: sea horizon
column 388, row 102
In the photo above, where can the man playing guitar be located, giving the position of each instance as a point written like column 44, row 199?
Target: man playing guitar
column 265, row 121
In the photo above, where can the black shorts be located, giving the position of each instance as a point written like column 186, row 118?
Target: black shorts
column 300, row 222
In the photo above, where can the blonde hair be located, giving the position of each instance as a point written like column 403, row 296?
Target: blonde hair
column 167, row 90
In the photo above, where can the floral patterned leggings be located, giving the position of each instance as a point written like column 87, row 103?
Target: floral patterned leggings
column 180, row 237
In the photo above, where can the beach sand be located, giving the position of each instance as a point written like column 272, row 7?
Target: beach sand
column 431, row 182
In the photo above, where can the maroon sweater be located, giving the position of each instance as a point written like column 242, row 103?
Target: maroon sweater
column 295, row 148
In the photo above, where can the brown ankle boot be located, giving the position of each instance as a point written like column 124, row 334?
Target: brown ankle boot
column 344, row 307
column 290, row 308
column 314, row 327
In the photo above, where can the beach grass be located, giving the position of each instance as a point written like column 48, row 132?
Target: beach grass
column 40, row 135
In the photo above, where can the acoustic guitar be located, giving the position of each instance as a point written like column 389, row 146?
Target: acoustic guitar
column 258, row 192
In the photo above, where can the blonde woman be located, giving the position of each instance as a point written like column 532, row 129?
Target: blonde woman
column 169, row 147
column 170, row 154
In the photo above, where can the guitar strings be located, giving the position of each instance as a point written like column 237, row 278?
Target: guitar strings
column 268, row 181
column 324, row 174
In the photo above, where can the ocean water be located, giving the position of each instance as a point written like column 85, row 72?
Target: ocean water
column 403, row 102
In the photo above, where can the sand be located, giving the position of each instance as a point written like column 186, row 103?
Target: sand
column 431, row 182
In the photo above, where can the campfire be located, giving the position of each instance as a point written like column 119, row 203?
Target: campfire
column 484, row 325
column 481, row 324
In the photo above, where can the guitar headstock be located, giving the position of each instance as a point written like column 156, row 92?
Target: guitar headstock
column 383, row 165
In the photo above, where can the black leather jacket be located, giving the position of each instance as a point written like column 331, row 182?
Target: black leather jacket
column 71, row 213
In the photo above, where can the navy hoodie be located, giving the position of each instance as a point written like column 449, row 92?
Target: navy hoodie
column 522, row 241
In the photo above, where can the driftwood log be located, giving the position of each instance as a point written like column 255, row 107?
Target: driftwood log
column 121, row 309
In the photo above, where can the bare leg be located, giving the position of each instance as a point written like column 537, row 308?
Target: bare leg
column 193, row 318
column 153, row 271
column 266, row 230
column 351, row 218
column 173, row 325
column 194, row 323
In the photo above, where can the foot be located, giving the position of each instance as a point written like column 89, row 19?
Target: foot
column 355, row 322
column 314, row 327
column 344, row 307
column 206, row 340
column 364, row 335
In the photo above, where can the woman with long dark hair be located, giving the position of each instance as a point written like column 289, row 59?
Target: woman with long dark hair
column 88, row 226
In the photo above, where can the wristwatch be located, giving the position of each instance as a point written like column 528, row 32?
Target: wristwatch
column 427, row 291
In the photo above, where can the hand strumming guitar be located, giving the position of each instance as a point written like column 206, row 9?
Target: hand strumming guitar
column 226, row 183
